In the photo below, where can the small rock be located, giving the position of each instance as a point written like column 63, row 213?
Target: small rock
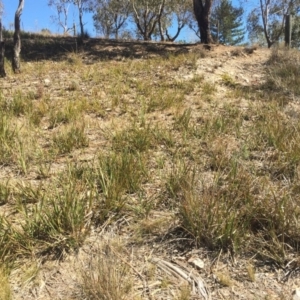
column 47, row 82
column 244, row 78
column 196, row 262
column 296, row 294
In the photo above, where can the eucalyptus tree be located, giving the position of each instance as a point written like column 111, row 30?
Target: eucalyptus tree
column 17, row 38
column 175, row 14
column 154, row 18
column 146, row 15
column 111, row 16
column 82, row 6
column 61, row 8
column 268, row 18
column 202, row 11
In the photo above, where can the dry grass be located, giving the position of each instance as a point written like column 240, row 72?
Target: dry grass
column 5, row 291
column 106, row 276
column 121, row 140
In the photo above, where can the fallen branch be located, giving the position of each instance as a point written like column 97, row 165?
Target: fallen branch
column 194, row 280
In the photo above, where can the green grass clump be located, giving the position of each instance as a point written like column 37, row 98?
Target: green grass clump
column 71, row 138
column 8, row 140
column 63, row 214
column 5, row 192
column 57, row 222
column 232, row 213
column 228, row 80
column 116, row 176
column 133, row 139
column 19, row 105
column 69, row 112
column 284, row 71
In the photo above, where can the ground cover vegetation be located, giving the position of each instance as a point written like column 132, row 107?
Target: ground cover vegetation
column 148, row 144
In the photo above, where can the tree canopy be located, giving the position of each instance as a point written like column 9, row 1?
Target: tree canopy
column 227, row 23
column 164, row 20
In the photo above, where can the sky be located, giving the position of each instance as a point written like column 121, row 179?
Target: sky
column 37, row 16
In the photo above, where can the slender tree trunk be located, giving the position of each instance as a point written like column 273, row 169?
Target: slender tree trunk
column 265, row 10
column 162, row 37
column 17, row 38
column 265, row 19
column 81, row 23
column 202, row 10
column 2, row 53
column 161, row 10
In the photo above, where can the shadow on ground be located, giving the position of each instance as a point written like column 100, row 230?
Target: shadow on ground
column 57, row 48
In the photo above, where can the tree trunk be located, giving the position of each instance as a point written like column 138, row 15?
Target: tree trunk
column 162, row 37
column 161, row 10
column 202, row 14
column 81, row 24
column 17, row 39
column 265, row 19
column 172, row 39
column 2, row 53
column 265, row 8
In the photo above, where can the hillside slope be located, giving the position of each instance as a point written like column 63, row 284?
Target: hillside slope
column 149, row 171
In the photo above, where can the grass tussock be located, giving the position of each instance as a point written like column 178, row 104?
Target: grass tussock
column 5, row 291
column 237, row 211
column 70, row 138
column 58, row 221
column 107, row 276
column 116, row 176
column 284, row 71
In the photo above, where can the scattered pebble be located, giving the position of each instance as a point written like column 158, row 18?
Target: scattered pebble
column 196, row 262
column 296, row 294
column 47, row 82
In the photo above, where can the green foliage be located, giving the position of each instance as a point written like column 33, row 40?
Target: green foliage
column 265, row 23
column 60, row 214
column 72, row 138
column 133, row 139
column 110, row 17
column 226, row 21
column 255, row 29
